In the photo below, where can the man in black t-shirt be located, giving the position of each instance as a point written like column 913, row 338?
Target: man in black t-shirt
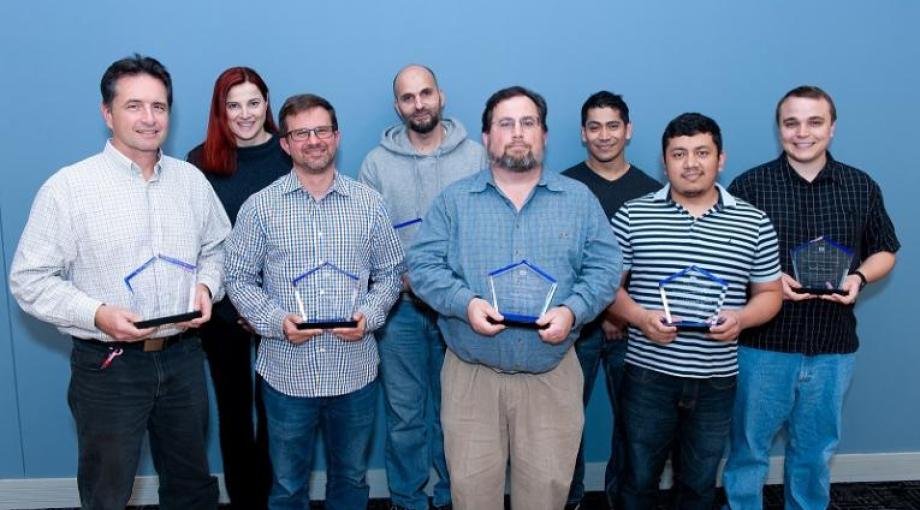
column 605, row 131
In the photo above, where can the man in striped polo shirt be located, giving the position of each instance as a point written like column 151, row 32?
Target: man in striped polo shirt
column 680, row 384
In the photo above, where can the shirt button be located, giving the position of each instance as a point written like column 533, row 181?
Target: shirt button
column 322, row 350
column 321, row 292
column 319, row 234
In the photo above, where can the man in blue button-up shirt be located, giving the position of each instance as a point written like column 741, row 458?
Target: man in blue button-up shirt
column 511, row 390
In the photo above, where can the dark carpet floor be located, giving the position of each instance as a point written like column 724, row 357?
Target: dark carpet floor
column 844, row 496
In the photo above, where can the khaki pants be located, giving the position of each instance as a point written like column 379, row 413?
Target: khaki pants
column 536, row 418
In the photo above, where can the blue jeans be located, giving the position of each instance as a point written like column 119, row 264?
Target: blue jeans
column 593, row 351
column 347, row 423
column 162, row 393
column 804, row 393
column 661, row 409
column 411, row 355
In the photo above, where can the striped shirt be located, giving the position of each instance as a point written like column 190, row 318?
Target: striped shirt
column 96, row 221
column 733, row 241
column 843, row 203
column 281, row 233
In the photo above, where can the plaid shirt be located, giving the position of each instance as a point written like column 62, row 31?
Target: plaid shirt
column 841, row 202
column 281, row 233
column 94, row 222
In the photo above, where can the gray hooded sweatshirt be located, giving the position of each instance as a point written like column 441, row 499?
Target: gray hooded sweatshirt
column 410, row 181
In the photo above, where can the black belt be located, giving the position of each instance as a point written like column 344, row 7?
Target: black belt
column 148, row 345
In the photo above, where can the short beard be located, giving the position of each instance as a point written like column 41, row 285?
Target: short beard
column 427, row 127
column 522, row 164
column 320, row 167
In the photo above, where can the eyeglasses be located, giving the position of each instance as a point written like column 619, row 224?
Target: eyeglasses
column 526, row 123
column 303, row 134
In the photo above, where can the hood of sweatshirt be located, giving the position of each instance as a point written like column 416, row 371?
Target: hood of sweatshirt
column 395, row 139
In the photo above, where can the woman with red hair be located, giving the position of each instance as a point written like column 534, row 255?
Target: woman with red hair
column 240, row 155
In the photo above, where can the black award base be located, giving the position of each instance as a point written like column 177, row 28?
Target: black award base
column 169, row 319
column 328, row 324
column 818, row 291
column 698, row 326
column 513, row 320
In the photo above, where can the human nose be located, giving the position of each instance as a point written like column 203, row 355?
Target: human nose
column 517, row 128
column 418, row 103
column 802, row 130
column 149, row 116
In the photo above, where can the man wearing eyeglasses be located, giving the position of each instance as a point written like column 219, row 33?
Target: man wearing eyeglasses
column 313, row 264
column 513, row 390
column 414, row 162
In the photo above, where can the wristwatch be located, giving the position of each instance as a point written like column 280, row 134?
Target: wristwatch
column 863, row 281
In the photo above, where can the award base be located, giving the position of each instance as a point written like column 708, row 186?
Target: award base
column 169, row 319
column 817, row 291
column 328, row 324
column 513, row 320
column 688, row 325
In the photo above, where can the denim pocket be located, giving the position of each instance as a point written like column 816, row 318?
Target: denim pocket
column 723, row 383
column 88, row 357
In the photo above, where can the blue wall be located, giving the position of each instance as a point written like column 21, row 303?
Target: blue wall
column 731, row 60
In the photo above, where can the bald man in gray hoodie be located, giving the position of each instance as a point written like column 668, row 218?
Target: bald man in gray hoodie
column 413, row 163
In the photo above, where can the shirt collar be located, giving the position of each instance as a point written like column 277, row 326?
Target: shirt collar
column 291, row 184
column 725, row 198
column 549, row 180
column 829, row 172
column 126, row 164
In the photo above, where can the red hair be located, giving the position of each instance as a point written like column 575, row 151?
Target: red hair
column 218, row 156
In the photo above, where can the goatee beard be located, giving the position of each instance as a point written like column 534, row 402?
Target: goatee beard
column 522, row 164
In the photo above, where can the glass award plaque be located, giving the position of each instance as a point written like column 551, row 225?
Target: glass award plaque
column 692, row 299
column 327, row 297
column 821, row 265
column 163, row 291
column 522, row 293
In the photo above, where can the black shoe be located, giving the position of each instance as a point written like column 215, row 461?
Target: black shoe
column 572, row 506
column 445, row 507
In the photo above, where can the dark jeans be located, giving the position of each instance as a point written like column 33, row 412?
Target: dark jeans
column 347, row 424
column 411, row 356
column 162, row 393
column 243, row 436
column 593, row 353
column 661, row 409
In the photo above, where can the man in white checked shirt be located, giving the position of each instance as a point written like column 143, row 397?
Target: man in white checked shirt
column 314, row 217
column 91, row 224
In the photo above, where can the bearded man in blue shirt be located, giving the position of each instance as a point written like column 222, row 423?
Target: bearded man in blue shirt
column 510, row 391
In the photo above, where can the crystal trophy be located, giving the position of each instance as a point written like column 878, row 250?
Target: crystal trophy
column 821, row 265
column 522, row 293
column 327, row 297
column 692, row 299
column 163, row 291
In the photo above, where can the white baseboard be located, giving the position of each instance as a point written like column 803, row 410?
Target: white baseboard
column 31, row 493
